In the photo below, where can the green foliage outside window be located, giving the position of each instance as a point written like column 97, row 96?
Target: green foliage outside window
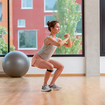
column 3, row 45
column 68, row 16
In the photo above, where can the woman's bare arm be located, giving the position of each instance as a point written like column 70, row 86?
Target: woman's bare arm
column 69, row 41
column 68, row 44
column 52, row 41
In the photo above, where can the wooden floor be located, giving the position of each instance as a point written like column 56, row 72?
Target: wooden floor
column 75, row 91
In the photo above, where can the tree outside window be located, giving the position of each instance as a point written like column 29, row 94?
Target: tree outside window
column 3, row 44
column 69, row 18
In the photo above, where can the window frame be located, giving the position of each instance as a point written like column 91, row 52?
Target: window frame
column 48, row 11
column 23, row 25
column 26, row 7
column 2, row 11
column 45, row 20
column 28, row 48
column 73, row 55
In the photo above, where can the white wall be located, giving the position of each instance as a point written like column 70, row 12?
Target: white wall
column 1, row 71
column 102, row 64
column 72, row 65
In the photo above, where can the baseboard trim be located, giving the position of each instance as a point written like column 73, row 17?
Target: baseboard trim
column 41, row 75
column 102, row 74
column 3, row 75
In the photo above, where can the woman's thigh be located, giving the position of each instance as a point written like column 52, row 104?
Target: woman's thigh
column 44, row 65
column 56, row 64
column 37, row 61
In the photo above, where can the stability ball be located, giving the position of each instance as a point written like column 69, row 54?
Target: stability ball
column 15, row 64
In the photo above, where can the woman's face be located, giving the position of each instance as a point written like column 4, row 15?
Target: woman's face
column 56, row 28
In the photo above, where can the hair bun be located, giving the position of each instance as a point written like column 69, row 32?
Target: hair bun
column 48, row 23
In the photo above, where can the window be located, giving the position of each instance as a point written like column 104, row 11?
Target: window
column 50, row 5
column 27, row 40
column 3, row 27
column 27, row 4
column 28, row 28
column 21, row 23
column 1, row 36
column 48, row 18
column 0, row 11
column 79, row 24
column 78, row 8
column 79, row 28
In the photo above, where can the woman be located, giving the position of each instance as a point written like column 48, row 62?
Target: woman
column 42, row 58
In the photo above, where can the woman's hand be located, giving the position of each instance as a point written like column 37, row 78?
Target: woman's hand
column 67, row 36
column 59, row 40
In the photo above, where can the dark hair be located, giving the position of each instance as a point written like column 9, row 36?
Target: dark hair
column 51, row 24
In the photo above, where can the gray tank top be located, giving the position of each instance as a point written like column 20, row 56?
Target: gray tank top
column 47, row 50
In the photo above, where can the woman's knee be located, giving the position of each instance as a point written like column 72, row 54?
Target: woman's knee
column 51, row 67
column 61, row 67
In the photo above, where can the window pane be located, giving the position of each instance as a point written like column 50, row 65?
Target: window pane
column 69, row 15
column 21, row 23
column 0, row 11
column 79, row 27
column 27, row 39
column 50, row 5
column 3, row 28
column 78, row 8
column 27, row 3
column 48, row 18
column 28, row 28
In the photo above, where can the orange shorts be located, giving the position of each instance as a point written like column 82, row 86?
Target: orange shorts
column 36, row 60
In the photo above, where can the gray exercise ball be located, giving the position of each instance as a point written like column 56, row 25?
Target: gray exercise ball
column 15, row 64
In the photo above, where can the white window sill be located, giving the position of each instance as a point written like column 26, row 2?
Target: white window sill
column 50, row 11
column 27, row 8
column 76, row 34
column 21, row 26
column 27, row 48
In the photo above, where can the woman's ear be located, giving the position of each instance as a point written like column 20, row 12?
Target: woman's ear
column 51, row 28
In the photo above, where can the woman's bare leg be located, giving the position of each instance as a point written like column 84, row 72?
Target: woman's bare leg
column 46, row 77
column 59, row 67
column 46, row 65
